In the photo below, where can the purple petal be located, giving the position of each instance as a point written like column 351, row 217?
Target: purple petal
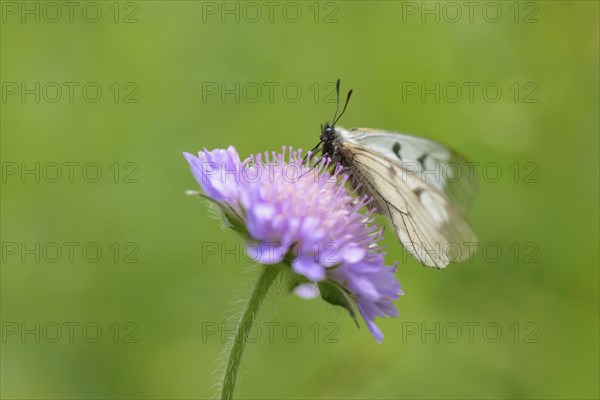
column 375, row 331
column 364, row 287
column 352, row 253
column 305, row 265
column 266, row 253
column 307, row 291
column 258, row 221
column 217, row 172
column 311, row 231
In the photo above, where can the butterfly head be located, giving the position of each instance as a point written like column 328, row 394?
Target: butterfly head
column 327, row 132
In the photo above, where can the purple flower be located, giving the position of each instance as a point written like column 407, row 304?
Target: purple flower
column 300, row 214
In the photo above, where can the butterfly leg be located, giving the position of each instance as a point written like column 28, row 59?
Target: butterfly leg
column 313, row 151
column 316, row 163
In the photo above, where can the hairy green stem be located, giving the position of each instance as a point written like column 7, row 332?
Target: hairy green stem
column 266, row 278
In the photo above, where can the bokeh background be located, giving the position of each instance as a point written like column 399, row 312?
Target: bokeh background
column 87, row 328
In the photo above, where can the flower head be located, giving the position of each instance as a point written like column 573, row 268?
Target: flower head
column 298, row 213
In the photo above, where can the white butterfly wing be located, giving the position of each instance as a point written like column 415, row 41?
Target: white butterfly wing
column 432, row 162
column 419, row 200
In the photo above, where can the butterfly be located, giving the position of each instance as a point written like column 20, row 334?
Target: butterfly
column 423, row 187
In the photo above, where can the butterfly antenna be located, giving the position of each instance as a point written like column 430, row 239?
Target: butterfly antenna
column 337, row 104
column 345, row 105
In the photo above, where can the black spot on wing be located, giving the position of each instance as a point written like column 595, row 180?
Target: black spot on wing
column 396, row 149
column 421, row 160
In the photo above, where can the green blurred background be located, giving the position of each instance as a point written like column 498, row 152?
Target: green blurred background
column 165, row 57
